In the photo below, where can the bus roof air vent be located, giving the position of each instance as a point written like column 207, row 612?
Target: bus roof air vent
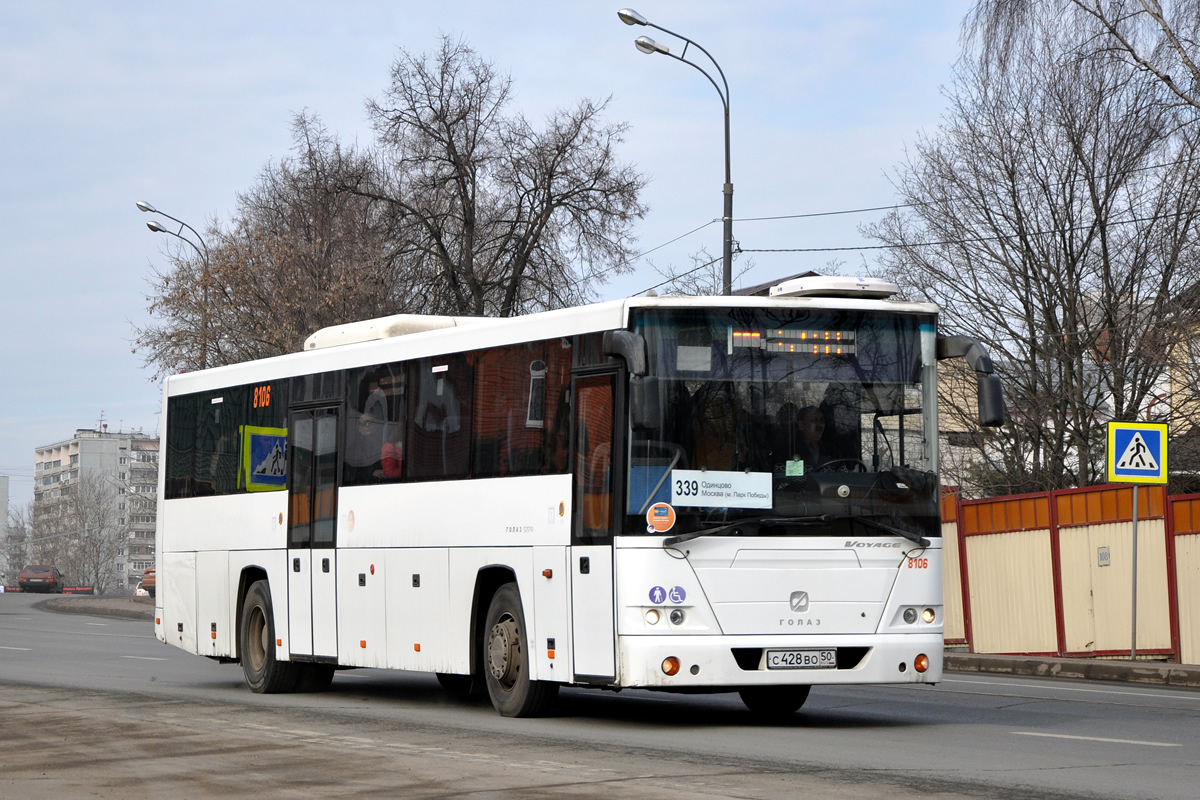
column 835, row 286
column 382, row 328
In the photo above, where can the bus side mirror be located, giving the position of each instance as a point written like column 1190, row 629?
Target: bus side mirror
column 991, row 401
column 645, row 410
column 990, row 392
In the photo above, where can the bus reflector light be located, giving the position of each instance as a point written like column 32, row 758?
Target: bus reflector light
column 652, row 616
column 416, row 647
column 362, row 643
column 279, row 643
column 670, row 665
column 921, row 663
column 550, row 654
column 929, row 615
column 547, row 573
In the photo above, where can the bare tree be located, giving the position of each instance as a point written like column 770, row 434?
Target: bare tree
column 506, row 217
column 1054, row 216
column 100, row 537
column 458, row 208
column 18, row 533
column 1158, row 37
column 301, row 253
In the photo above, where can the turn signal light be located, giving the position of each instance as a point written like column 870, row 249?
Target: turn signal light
column 670, row 665
column 921, row 663
column 928, row 615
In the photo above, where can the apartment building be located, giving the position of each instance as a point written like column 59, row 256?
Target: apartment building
column 122, row 465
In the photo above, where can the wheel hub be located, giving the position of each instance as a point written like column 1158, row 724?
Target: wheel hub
column 503, row 643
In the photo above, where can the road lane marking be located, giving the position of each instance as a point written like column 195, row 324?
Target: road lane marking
column 26, row 649
column 98, row 624
column 1096, row 739
column 144, row 658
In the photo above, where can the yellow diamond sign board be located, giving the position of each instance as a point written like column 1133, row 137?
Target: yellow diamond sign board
column 1137, row 452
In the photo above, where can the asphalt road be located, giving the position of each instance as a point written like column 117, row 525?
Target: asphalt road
column 96, row 707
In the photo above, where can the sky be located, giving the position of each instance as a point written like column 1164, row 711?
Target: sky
column 183, row 104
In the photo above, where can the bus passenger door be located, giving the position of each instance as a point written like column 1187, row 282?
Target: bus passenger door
column 592, row 615
column 312, row 520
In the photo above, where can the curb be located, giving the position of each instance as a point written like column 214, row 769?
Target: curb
column 121, row 607
column 1084, row 669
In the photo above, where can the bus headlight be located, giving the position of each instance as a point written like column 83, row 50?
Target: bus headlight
column 910, row 615
column 677, row 616
column 928, row 616
column 652, row 616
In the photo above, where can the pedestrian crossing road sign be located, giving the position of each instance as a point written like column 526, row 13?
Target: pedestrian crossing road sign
column 1137, row 452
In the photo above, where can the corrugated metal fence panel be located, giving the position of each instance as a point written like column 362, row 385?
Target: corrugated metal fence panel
column 1110, row 503
column 1105, row 593
column 999, row 514
column 952, row 606
column 1187, row 579
column 1011, row 591
column 1079, row 618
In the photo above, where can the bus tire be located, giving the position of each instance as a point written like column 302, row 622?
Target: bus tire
column 506, row 659
column 264, row 674
column 774, row 701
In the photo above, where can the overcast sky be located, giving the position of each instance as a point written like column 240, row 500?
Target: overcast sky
column 183, row 104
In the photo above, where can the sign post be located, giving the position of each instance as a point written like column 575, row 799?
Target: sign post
column 1137, row 453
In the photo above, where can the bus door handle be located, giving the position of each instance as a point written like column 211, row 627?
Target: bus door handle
column 324, row 565
column 585, row 565
column 295, row 565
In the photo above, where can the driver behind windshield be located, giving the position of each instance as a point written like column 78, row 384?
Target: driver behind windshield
column 801, row 433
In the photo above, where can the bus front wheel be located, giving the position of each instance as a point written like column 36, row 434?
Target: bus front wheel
column 264, row 674
column 506, row 658
column 774, row 701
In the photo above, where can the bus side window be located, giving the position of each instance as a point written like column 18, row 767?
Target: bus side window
column 594, row 409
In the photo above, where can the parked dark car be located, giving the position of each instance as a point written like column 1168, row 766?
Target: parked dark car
column 41, row 578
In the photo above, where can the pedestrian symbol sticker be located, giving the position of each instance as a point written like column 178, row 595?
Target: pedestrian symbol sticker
column 1137, row 455
column 1137, row 452
column 657, row 595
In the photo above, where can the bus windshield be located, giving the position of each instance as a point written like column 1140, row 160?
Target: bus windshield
column 787, row 421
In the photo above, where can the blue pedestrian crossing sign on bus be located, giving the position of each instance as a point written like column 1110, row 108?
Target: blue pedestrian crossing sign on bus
column 1137, row 452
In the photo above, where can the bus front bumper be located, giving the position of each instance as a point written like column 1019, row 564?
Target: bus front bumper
column 711, row 662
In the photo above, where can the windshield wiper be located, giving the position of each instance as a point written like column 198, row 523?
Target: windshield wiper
column 765, row 521
column 807, row 520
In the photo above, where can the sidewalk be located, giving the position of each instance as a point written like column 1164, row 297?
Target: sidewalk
column 1145, row 672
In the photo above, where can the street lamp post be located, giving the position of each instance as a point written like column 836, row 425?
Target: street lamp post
column 647, row 45
column 201, row 250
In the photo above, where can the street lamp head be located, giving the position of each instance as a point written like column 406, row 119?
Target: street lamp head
column 650, row 47
column 144, row 206
column 631, row 17
column 156, row 226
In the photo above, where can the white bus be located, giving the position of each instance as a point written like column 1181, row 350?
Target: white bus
column 681, row 494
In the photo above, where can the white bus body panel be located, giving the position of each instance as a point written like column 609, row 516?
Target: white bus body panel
column 592, row 617
column 177, row 586
column 526, row 511
column 214, row 618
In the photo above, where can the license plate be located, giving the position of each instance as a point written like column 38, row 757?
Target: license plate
column 801, row 659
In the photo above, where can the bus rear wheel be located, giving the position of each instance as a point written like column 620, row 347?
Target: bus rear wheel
column 774, row 701
column 506, row 660
column 264, row 674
